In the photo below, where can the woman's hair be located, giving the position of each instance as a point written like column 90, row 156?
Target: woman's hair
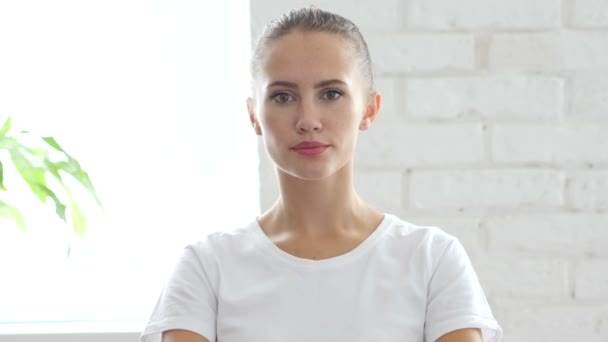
column 315, row 20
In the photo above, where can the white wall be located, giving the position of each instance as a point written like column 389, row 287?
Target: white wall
column 495, row 128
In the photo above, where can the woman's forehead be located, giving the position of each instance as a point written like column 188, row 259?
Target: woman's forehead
column 311, row 56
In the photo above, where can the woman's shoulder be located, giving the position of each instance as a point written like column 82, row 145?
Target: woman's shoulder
column 225, row 239
column 405, row 231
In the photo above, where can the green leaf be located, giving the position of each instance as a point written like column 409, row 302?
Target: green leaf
column 6, row 127
column 2, row 187
column 59, row 207
column 38, row 153
column 53, row 169
column 53, row 143
column 12, row 213
column 7, row 142
column 78, row 220
column 33, row 176
column 73, row 168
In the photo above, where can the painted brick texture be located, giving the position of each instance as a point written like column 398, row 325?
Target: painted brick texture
column 494, row 127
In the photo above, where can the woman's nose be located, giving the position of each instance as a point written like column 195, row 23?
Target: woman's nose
column 308, row 118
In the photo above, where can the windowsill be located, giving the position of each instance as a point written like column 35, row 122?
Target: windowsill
column 82, row 327
column 70, row 331
column 72, row 337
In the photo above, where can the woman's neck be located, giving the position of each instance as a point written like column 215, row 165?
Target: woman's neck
column 317, row 209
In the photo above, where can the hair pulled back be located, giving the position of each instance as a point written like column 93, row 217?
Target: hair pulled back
column 312, row 19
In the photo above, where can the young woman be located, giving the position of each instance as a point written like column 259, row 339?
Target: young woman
column 320, row 265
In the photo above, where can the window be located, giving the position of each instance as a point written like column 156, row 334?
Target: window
column 150, row 97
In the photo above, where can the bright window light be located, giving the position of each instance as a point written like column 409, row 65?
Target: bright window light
column 150, row 97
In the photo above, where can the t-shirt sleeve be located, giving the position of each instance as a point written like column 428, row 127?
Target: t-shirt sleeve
column 186, row 302
column 455, row 298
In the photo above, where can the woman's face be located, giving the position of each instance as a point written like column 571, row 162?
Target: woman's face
column 310, row 102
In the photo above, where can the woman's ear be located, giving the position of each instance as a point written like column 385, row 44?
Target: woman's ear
column 371, row 111
column 252, row 117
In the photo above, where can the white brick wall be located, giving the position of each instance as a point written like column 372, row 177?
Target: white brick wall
column 494, row 127
column 403, row 145
column 591, row 279
column 570, row 235
column 590, row 13
column 543, row 320
column 552, row 51
column 391, row 89
column 483, row 14
column 531, row 278
column 481, row 189
column 589, row 96
column 407, row 52
column 588, row 191
column 556, row 143
column 505, row 96
column 387, row 186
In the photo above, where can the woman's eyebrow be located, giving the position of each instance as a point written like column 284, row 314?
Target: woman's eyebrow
column 282, row 84
column 295, row 86
column 329, row 82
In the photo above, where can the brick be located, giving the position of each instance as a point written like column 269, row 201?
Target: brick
column 561, row 143
column 591, row 280
column 590, row 96
column 509, row 96
column 392, row 107
column 382, row 189
column 602, row 325
column 525, row 320
column 406, row 145
column 589, row 191
column 481, row 189
column 389, row 19
column 559, row 235
column 590, row 13
column 424, row 52
column 524, row 278
column 492, row 14
column 565, row 50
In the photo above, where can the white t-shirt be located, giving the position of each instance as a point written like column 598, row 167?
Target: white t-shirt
column 403, row 283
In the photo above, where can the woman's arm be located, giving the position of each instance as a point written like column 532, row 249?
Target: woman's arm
column 462, row 335
column 182, row 336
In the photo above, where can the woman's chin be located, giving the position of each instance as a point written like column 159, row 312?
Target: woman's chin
column 315, row 172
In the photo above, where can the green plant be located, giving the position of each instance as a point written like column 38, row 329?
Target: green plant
column 38, row 160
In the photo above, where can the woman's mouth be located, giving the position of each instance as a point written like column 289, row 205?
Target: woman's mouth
column 310, row 148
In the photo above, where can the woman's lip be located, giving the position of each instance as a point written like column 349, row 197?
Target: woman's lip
column 311, row 151
column 309, row 144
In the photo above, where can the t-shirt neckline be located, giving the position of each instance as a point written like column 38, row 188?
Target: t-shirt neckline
column 269, row 247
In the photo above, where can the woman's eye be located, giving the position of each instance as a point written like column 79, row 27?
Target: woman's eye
column 281, row 97
column 332, row 94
